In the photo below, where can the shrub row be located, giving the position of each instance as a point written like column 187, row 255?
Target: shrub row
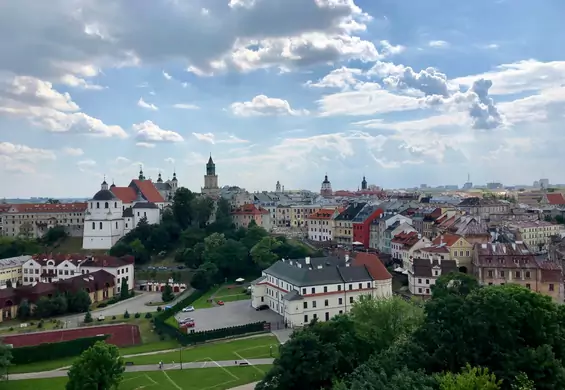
column 52, row 351
column 215, row 334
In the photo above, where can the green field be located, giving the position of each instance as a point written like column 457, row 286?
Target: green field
column 217, row 378
column 221, row 293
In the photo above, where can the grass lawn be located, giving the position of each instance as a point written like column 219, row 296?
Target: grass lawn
column 248, row 348
column 221, row 293
column 216, row 378
column 72, row 245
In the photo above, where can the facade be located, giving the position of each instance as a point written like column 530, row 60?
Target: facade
column 483, row 207
column 390, row 232
column 11, row 271
column 32, row 220
column 319, row 288
column 321, row 224
column 283, row 216
column 378, row 227
column 243, row 215
column 474, row 229
column 460, row 250
column 326, row 189
column 211, row 179
column 501, row 263
column 423, row 272
column 536, row 235
column 53, row 268
column 403, row 246
column 343, row 233
column 362, row 224
column 300, row 213
column 114, row 211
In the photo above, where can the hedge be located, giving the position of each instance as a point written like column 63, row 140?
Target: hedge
column 165, row 327
column 52, row 351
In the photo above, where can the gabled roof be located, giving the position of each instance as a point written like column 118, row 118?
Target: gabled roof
column 446, row 239
column 424, row 267
column 373, row 264
column 350, row 212
column 406, row 239
column 555, row 199
column 249, row 209
column 148, row 190
column 125, row 194
column 322, row 214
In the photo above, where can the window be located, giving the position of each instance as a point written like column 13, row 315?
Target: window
column 262, row 299
column 369, row 285
column 528, row 274
column 551, row 287
column 314, row 304
column 325, row 289
column 341, row 312
column 427, row 291
column 305, row 304
column 97, row 205
column 419, row 280
column 467, row 253
column 427, row 281
column 490, row 274
column 340, row 301
column 313, row 290
column 360, row 286
column 350, row 299
column 501, row 274
column 339, row 288
column 106, row 205
column 420, row 290
column 306, row 319
column 93, row 225
column 528, row 286
column 326, row 303
column 303, row 291
column 116, row 225
column 518, row 274
column 351, row 287
column 327, row 316
column 436, row 273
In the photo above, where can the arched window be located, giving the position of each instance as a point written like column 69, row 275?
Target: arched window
column 106, row 205
column 97, row 205
column 100, row 225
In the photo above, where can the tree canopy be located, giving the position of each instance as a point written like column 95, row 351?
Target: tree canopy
column 100, row 367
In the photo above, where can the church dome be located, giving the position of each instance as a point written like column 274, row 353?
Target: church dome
column 104, row 195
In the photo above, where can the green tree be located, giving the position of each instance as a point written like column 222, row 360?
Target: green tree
column 471, row 378
column 120, row 249
column 262, row 253
column 5, row 359
column 79, row 302
column 159, row 239
column 522, row 382
column 560, row 220
column 189, row 257
column 167, row 294
column 253, row 235
column 201, row 208
column 24, row 310
column 59, row 305
column 88, row 318
column 139, row 252
column 369, row 378
column 192, row 236
column 124, row 289
column 205, row 276
column 181, row 207
column 54, row 234
column 43, row 308
column 99, row 367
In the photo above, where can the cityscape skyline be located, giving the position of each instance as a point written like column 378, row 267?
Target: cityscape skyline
column 401, row 93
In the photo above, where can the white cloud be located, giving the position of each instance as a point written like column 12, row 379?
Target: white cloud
column 342, row 78
column 262, row 105
column 167, row 76
column 73, row 151
column 186, row 106
column 438, row 44
column 25, row 153
column 77, row 82
column 149, row 132
column 169, row 160
column 211, row 138
column 86, row 163
column 143, row 104
column 122, row 160
column 145, row 145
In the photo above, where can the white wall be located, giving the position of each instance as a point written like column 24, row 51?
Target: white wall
column 118, row 272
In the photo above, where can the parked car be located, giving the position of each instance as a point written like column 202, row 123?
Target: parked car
column 221, row 303
column 101, row 318
column 185, row 320
column 262, row 307
column 189, row 324
column 187, row 309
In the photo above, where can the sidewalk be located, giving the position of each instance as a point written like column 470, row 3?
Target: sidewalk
column 151, row 367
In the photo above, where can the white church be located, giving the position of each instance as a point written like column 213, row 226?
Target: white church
column 114, row 211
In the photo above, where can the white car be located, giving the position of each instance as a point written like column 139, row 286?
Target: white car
column 187, row 309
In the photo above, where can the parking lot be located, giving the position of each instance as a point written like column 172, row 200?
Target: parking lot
column 231, row 314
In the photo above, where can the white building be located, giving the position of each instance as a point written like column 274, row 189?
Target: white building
column 114, row 211
column 423, row 272
column 403, row 246
column 320, row 224
column 301, row 290
column 52, row 268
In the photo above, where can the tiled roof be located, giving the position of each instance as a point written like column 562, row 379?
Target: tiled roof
column 406, row 239
column 78, row 207
column 555, row 199
column 350, row 212
column 126, row 194
column 504, row 255
column 435, row 249
column 373, row 264
column 423, row 267
column 322, row 214
column 94, row 281
column 85, row 261
column 446, row 239
column 249, row 209
column 148, row 190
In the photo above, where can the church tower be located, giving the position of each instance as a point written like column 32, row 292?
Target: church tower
column 364, row 184
column 210, row 178
column 326, row 190
column 278, row 187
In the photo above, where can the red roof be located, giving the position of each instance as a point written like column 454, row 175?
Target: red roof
column 447, row 239
column 555, row 199
column 249, row 209
column 373, row 264
column 47, row 207
column 148, row 190
column 126, row 194
column 406, row 239
column 322, row 214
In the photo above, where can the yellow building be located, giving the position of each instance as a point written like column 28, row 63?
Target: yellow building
column 283, row 216
column 459, row 248
column 11, row 270
column 535, row 234
column 300, row 213
column 343, row 223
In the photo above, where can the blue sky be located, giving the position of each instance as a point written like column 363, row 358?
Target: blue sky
column 403, row 92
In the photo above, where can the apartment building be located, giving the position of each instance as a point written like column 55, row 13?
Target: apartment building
column 243, row 215
column 283, row 216
column 460, row 250
column 321, row 224
column 501, row 263
column 47, row 268
column 474, row 229
column 536, row 234
column 403, row 246
column 379, row 226
column 34, row 219
column 301, row 290
column 424, row 271
column 343, row 233
column 483, row 207
column 362, row 224
column 11, row 271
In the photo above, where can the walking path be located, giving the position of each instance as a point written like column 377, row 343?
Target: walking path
column 151, row 367
column 249, row 386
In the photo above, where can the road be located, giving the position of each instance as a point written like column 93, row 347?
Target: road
column 152, row 367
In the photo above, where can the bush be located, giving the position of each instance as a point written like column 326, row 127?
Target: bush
column 103, row 304
column 159, row 308
column 137, row 315
column 148, row 315
column 52, row 351
column 88, row 317
column 126, row 314
column 113, row 317
column 11, row 328
column 40, row 324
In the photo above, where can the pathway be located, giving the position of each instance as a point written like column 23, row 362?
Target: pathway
column 151, row 367
column 249, row 386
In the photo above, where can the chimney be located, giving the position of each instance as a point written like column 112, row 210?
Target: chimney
column 307, row 260
column 441, row 240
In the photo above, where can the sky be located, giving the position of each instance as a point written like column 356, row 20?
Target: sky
column 402, row 92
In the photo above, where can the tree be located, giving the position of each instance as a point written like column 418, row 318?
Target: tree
column 192, row 236
column 167, row 294
column 205, row 276
column 24, row 310
column 54, row 234
column 124, row 289
column 79, row 302
column 99, row 367
column 471, row 378
column 253, row 235
column 454, row 283
column 5, row 359
column 139, row 252
column 372, row 378
column 201, row 208
column 120, row 249
column 88, row 317
column 262, row 252
column 59, row 305
column 181, row 207
column 43, row 308
column 522, row 382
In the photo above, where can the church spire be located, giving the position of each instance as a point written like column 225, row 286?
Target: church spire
column 159, row 179
column 141, row 177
